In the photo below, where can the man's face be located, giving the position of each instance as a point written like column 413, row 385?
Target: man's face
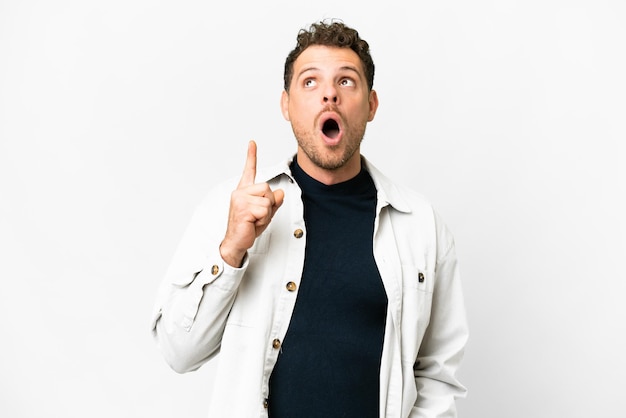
column 329, row 105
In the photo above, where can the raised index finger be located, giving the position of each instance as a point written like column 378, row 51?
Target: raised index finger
column 249, row 170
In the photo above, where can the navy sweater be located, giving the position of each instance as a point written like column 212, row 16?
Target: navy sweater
column 329, row 363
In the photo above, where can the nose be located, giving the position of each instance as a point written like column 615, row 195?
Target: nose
column 330, row 94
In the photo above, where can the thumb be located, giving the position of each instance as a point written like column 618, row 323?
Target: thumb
column 279, row 198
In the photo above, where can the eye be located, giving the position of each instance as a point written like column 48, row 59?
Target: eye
column 347, row 82
column 309, row 82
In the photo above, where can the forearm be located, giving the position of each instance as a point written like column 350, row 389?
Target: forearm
column 192, row 311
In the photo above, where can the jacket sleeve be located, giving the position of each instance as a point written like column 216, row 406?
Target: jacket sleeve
column 443, row 345
column 199, row 288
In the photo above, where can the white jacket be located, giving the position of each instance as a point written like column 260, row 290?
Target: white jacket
column 204, row 306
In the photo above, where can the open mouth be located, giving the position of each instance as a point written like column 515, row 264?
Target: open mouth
column 330, row 128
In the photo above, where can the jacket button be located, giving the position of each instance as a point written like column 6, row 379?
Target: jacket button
column 214, row 270
column 420, row 277
column 291, row 286
column 298, row 233
column 276, row 343
column 265, row 403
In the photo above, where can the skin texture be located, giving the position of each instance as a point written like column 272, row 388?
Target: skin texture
column 252, row 206
column 328, row 83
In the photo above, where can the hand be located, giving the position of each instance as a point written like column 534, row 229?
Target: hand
column 252, row 207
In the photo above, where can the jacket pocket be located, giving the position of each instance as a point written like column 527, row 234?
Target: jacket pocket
column 417, row 278
column 261, row 244
column 417, row 295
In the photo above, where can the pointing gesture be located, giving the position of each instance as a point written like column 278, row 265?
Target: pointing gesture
column 252, row 207
column 249, row 170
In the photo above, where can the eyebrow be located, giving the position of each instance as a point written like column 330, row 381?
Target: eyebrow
column 344, row 68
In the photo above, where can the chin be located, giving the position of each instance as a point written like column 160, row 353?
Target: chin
column 333, row 162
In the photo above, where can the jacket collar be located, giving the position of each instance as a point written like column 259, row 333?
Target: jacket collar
column 388, row 192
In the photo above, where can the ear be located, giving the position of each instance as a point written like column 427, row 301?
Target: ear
column 284, row 104
column 373, row 101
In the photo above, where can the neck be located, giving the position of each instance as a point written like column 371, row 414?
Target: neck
column 329, row 177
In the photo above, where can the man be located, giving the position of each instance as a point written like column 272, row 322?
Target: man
column 328, row 290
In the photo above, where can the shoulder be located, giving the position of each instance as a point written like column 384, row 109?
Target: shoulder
column 220, row 191
column 412, row 211
column 401, row 197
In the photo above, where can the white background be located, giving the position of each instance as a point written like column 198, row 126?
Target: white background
column 116, row 117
